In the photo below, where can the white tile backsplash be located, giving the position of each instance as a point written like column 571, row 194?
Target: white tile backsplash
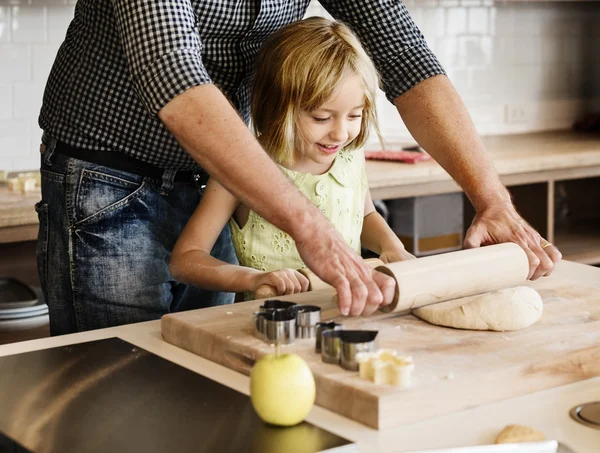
column 5, row 24
column 27, row 100
column 478, row 21
column 29, row 24
column 59, row 18
column 14, row 139
column 5, row 102
column 475, row 51
column 43, row 56
column 504, row 21
column 456, row 21
column 542, row 55
column 433, row 24
column 16, row 63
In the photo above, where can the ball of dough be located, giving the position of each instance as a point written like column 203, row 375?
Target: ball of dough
column 508, row 309
column 519, row 433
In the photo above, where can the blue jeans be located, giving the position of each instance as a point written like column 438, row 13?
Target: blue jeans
column 105, row 241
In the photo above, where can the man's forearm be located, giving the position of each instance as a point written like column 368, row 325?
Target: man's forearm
column 208, row 127
column 437, row 118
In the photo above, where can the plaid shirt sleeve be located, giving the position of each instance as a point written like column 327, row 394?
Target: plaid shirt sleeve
column 392, row 39
column 162, row 47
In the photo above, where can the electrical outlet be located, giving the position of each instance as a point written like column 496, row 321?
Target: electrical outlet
column 516, row 114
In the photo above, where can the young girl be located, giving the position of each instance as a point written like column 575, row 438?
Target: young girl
column 313, row 103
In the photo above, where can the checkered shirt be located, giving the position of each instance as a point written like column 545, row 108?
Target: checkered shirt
column 123, row 60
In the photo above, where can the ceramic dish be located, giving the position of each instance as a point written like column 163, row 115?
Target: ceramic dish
column 25, row 312
column 17, row 325
column 15, row 294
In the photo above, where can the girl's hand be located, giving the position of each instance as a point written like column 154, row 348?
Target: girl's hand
column 285, row 281
column 396, row 254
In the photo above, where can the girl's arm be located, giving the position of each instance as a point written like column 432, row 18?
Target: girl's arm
column 378, row 237
column 191, row 262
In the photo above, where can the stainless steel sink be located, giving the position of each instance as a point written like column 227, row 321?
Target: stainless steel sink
column 110, row 396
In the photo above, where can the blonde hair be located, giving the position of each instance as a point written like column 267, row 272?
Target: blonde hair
column 299, row 67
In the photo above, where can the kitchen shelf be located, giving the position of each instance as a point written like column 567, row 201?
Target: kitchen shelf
column 581, row 244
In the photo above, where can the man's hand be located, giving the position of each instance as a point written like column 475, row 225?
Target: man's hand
column 361, row 291
column 503, row 224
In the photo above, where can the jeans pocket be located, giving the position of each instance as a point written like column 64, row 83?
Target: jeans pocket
column 100, row 194
column 41, row 249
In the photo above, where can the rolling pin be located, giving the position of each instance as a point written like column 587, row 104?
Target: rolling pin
column 449, row 276
column 443, row 277
column 314, row 282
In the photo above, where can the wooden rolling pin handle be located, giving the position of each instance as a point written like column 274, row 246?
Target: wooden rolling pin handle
column 265, row 291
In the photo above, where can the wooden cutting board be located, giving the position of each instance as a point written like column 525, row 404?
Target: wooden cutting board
column 454, row 369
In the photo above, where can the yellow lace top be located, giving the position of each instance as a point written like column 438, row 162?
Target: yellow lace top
column 339, row 194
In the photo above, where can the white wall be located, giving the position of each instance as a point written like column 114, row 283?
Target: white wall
column 536, row 60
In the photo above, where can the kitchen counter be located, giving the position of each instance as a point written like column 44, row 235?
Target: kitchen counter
column 519, row 159
column 547, row 410
column 18, row 219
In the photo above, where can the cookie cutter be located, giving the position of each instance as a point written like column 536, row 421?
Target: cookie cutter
column 341, row 346
column 274, row 322
column 307, row 317
column 276, row 326
column 275, row 304
column 353, row 342
column 323, row 327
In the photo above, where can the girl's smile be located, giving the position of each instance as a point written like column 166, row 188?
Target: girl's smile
column 329, row 149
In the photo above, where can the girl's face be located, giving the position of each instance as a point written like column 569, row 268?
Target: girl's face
column 328, row 129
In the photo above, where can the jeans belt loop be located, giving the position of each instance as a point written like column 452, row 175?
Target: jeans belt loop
column 47, row 148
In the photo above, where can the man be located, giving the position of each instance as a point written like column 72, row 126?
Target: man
column 141, row 105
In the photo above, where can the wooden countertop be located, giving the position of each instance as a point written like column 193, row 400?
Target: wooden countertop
column 563, row 347
column 17, row 209
column 546, row 410
column 18, row 219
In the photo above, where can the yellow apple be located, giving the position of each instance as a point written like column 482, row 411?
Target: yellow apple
column 282, row 389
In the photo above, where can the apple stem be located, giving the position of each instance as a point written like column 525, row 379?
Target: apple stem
column 276, row 349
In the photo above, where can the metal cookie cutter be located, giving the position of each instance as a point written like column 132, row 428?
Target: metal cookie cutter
column 275, row 322
column 341, row 346
column 353, row 342
column 323, row 327
column 277, row 326
column 331, row 346
column 307, row 317
column 275, row 304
